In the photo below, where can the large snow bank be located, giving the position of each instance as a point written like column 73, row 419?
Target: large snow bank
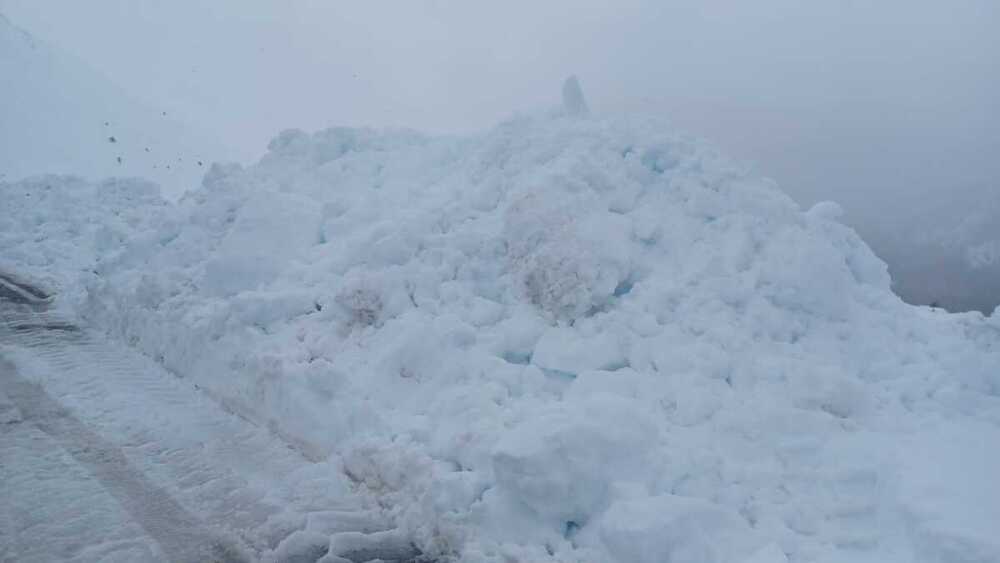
column 571, row 339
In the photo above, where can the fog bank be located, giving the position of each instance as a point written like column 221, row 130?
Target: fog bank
column 887, row 108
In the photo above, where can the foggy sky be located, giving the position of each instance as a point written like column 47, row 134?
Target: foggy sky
column 878, row 105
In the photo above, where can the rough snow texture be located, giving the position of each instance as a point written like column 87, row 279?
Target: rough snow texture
column 571, row 339
column 53, row 229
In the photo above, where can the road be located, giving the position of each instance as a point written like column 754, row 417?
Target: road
column 106, row 456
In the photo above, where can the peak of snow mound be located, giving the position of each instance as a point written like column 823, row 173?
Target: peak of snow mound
column 572, row 97
column 560, row 340
column 826, row 210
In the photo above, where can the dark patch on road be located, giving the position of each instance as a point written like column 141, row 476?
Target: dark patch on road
column 31, row 327
column 10, row 294
column 21, row 292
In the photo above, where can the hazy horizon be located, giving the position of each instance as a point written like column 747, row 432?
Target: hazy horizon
column 889, row 109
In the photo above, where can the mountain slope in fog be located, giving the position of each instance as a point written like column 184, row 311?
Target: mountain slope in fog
column 60, row 116
column 945, row 253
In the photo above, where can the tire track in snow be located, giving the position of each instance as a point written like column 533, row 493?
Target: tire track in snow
column 173, row 455
column 17, row 291
column 181, row 535
column 54, row 509
column 183, row 463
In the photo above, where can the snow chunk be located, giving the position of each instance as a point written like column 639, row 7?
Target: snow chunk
column 564, row 350
column 828, row 210
column 672, row 529
column 246, row 260
column 561, row 463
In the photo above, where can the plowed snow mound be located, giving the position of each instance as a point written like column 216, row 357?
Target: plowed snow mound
column 568, row 339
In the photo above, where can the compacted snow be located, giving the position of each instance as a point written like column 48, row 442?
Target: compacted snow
column 566, row 339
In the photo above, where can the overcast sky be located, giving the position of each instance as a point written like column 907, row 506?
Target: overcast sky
column 851, row 100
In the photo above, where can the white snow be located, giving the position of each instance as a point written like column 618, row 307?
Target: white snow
column 951, row 492
column 565, row 339
column 668, row 528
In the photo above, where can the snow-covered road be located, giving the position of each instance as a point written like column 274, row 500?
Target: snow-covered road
column 105, row 456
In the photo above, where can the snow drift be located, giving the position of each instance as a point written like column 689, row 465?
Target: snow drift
column 572, row 339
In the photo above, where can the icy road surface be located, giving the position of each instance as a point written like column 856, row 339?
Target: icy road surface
column 105, row 456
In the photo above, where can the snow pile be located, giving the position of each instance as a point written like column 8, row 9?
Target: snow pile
column 571, row 339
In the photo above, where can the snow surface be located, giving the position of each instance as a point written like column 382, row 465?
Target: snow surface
column 566, row 339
